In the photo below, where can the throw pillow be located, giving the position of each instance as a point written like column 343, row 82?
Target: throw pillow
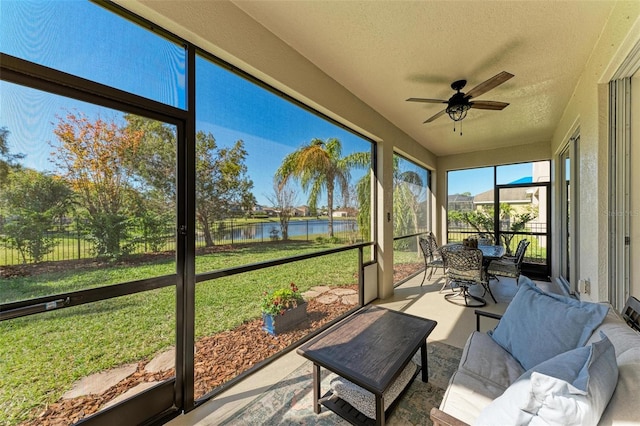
column 538, row 326
column 572, row 388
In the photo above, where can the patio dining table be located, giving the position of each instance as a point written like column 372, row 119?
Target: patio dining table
column 489, row 253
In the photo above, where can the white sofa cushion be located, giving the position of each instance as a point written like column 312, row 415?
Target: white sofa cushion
column 623, row 409
column 622, row 336
column 467, row 394
column 572, row 388
column 484, row 372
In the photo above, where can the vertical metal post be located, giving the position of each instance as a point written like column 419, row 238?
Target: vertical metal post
column 361, row 276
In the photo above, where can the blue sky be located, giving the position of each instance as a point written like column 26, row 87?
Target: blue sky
column 480, row 180
column 133, row 59
column 130, row 58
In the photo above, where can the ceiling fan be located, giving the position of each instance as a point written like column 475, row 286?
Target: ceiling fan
column 460, row 102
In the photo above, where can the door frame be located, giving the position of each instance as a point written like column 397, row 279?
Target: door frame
column 167, row 398
column 530, row 269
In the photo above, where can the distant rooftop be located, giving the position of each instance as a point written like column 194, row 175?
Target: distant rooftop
column 526, row 179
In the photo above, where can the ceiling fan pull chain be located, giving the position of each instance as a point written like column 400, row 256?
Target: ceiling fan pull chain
column 461, row 128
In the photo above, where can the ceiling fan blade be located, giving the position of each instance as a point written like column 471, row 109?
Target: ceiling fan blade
column 428, row 101
column 484, row 87
column 497, row 106
column 430, row 119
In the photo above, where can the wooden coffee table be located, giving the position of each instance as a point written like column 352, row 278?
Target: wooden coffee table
column 370, row 349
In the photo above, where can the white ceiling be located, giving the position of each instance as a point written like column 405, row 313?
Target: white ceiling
column 387, row 51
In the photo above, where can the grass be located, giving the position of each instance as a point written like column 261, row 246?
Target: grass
column 41, row 356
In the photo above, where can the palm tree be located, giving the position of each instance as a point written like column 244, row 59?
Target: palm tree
column 317, row 166
column 405, row 197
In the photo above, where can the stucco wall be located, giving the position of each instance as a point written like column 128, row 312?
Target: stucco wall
column 589, row 108
column 635, row 183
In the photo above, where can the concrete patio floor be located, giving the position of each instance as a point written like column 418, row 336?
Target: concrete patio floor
column 455, row 323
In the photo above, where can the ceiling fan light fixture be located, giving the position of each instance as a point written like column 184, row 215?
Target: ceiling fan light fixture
column 458, row 112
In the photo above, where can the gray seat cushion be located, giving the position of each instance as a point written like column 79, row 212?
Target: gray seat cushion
column 483, row 357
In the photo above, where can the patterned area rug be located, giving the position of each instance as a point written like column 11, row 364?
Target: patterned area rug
column 290, row 400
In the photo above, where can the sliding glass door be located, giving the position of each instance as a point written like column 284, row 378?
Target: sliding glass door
column 92, row 287
column 507, row 203
column 524, row 214
column 89, row 255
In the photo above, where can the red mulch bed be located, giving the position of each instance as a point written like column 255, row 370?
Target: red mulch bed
column 218, row 359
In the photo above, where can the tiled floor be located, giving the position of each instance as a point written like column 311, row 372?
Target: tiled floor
column 455, row 323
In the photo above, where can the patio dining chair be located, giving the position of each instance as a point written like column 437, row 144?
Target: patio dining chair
column 431, row 254
column 464, row 267
column 483, row 239
column 509, row 266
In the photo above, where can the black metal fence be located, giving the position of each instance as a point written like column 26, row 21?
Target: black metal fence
column 70, row 242
column 535, row 233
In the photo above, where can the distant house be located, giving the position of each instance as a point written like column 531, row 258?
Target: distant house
column 340, row 213
column 513, row 196
column 460, row 202
column 301, row 211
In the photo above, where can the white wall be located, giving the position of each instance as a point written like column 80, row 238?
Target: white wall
column 589, row 108
column 635, row 183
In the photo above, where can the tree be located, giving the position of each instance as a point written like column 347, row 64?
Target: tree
column 517, row 223
column 33, row 199
column 482, row 221
column 7, row 160
column 283, row 199
column 154, row 169
column 155, row 164
column 95, row 157
column 408, row 190
column 363, row 194
column 221, row 182
column 222, row 185
column 318, row 166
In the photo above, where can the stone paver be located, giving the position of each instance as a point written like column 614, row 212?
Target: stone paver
column 327, row 298
column 162, row 362
column 100, row 382
column 308, row 295
column 321, row 288
column 131, row 392
column 343, row 291
column 351, row 299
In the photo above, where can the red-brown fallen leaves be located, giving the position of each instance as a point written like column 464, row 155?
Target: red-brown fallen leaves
column 218, row 359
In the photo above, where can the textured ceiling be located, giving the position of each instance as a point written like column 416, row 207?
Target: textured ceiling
column 387, row 51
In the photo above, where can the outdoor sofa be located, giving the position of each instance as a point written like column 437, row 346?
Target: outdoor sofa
column 550, row 360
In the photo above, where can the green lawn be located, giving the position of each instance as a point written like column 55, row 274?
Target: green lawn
column 42, row 355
